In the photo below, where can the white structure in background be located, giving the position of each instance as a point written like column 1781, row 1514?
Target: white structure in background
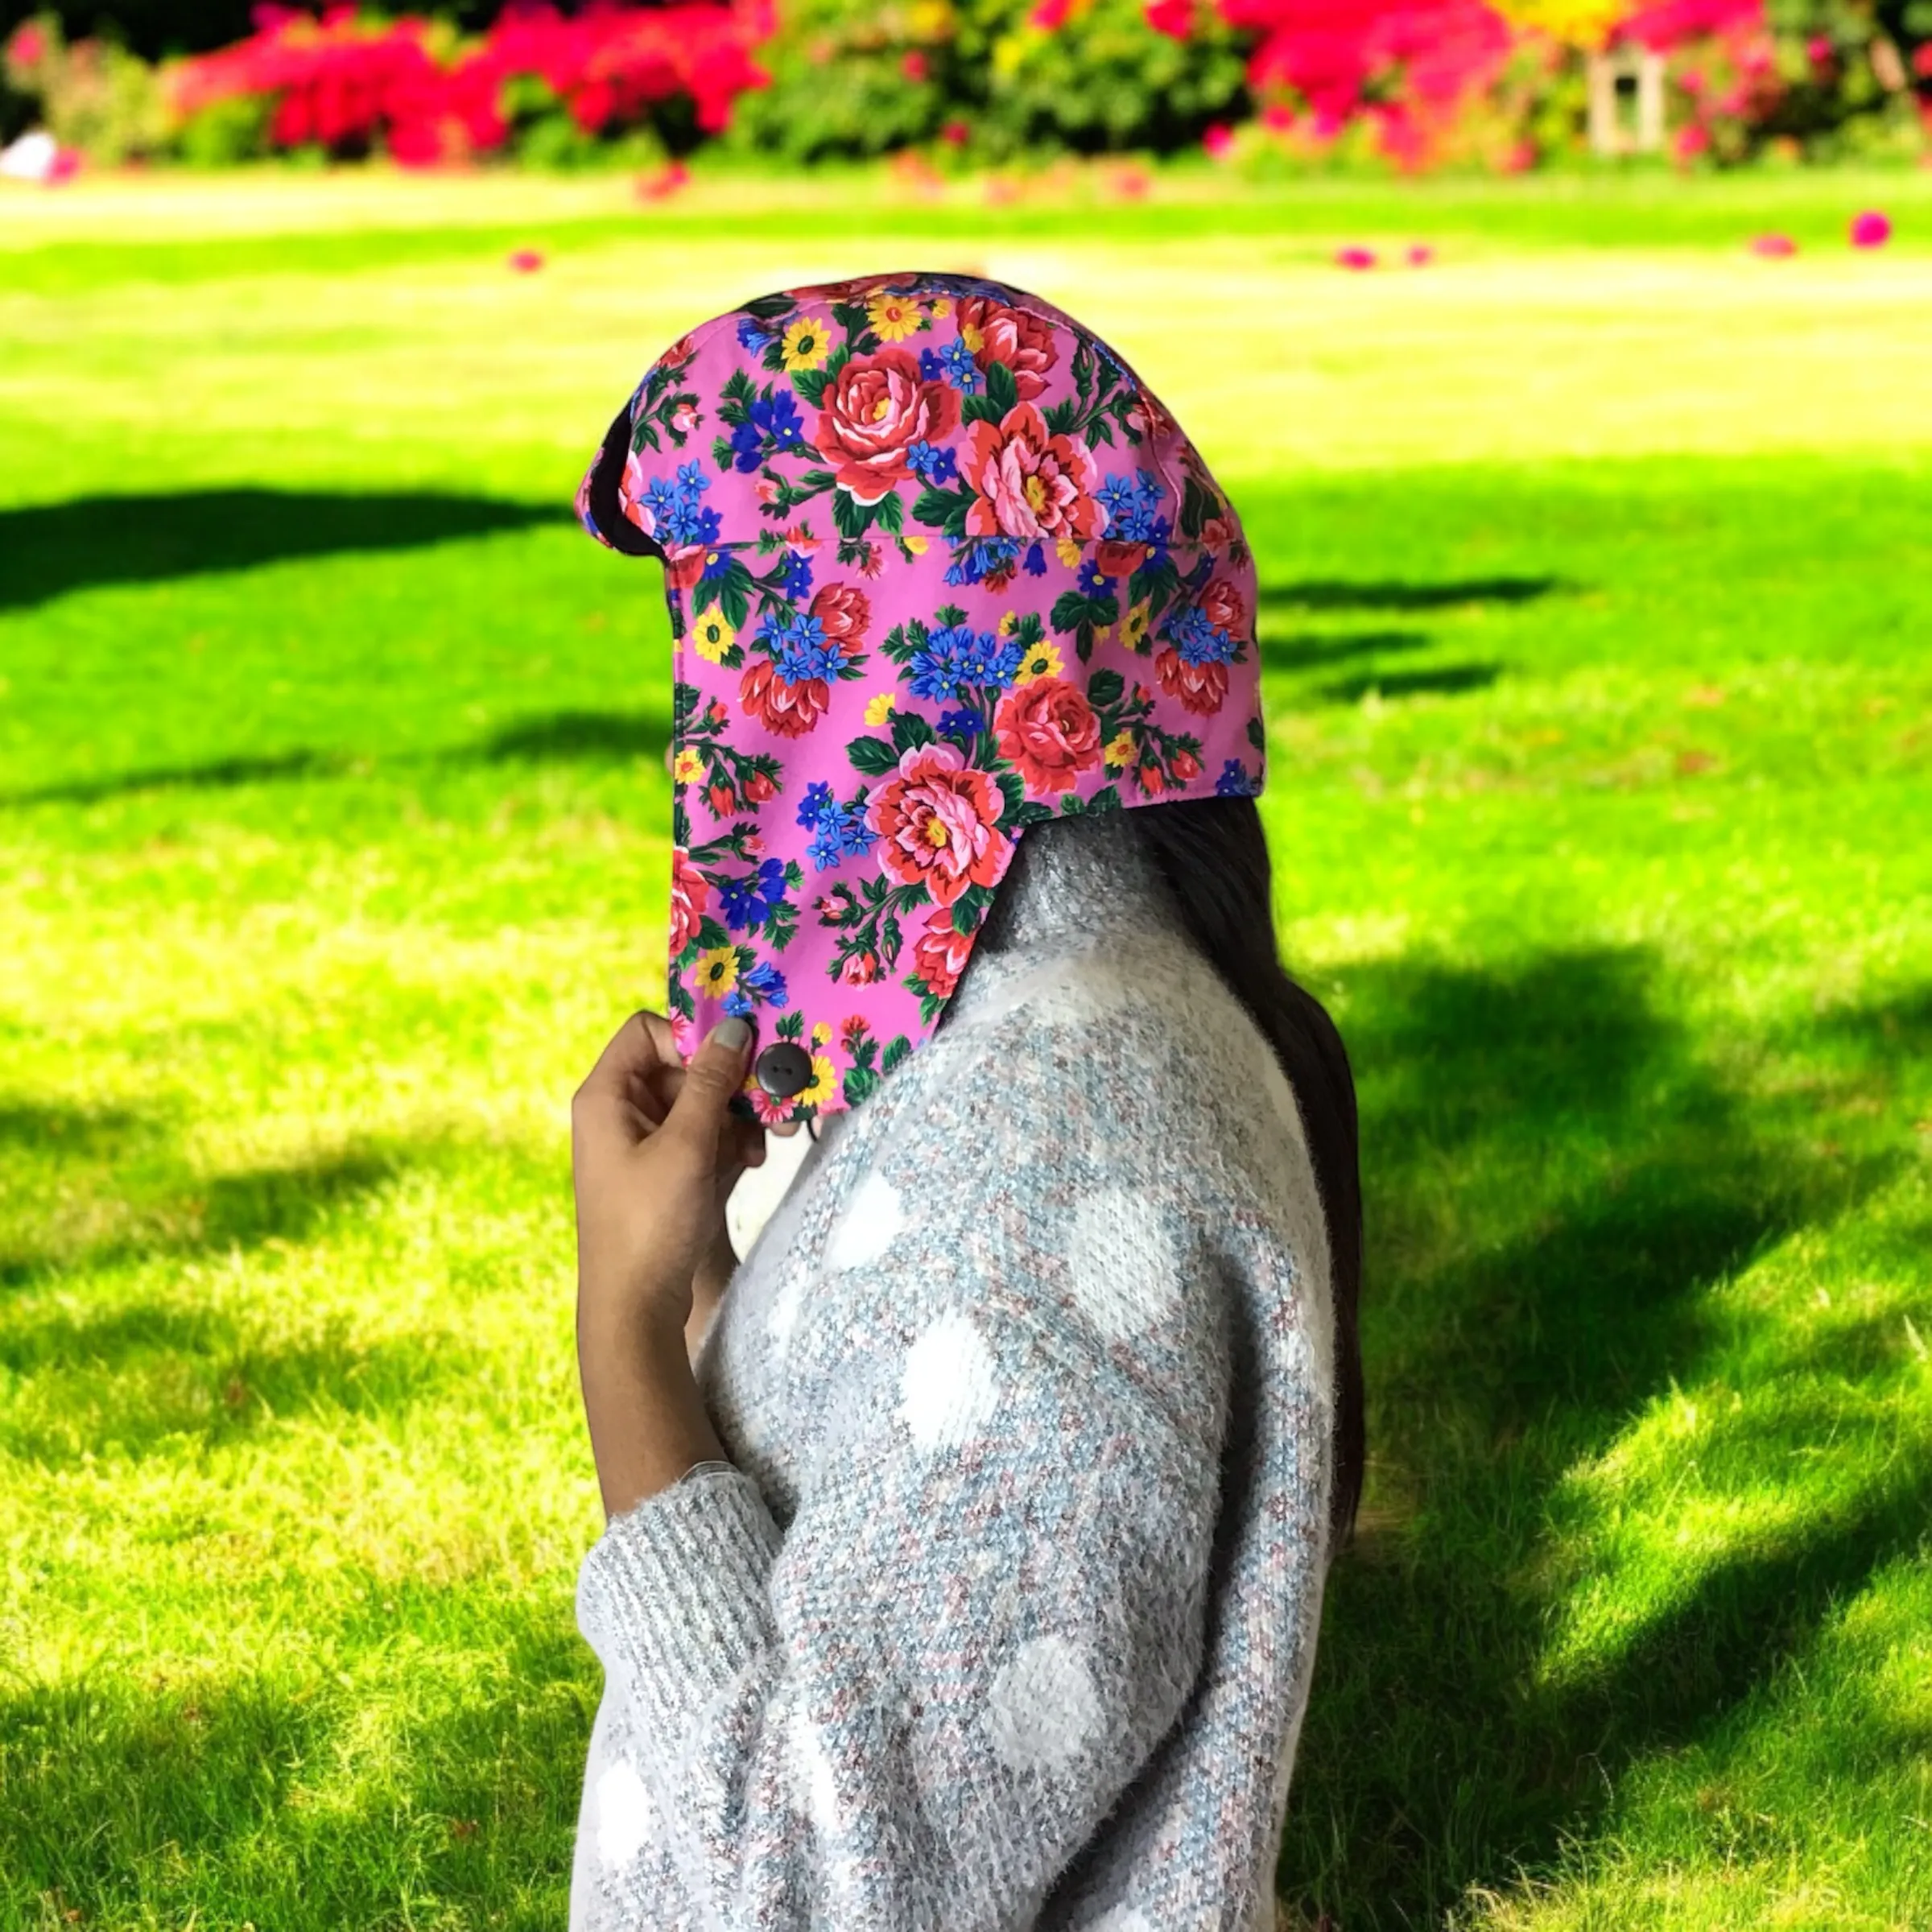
column 1623, row 79
column 35, row 157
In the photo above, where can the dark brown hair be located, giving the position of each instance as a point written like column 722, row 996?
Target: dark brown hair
column 1214, row 854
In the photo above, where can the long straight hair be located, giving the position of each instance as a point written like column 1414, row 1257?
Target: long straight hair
column 1214, row 854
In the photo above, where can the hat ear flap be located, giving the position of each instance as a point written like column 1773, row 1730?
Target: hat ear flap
column 599, row 505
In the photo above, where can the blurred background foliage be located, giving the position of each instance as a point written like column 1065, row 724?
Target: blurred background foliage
column 1269, row 85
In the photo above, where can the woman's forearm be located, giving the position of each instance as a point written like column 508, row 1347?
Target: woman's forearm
column 648, row 1423
column 708, row 1288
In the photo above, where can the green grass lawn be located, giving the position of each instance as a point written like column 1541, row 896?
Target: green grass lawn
column 1597, row 562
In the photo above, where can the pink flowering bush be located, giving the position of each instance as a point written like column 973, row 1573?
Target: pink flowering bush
column 350, row 84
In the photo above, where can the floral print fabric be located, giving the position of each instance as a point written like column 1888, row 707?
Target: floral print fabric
column 939, row 567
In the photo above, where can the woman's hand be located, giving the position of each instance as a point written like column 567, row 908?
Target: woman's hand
column 655, row 1152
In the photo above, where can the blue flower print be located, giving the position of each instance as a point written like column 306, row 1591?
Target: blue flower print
column 931, row 465
column 750, row 900
column 839, row 831
column 797, row 576
column 961, row 371
column 766, row 982
column 804, row 652
column 1199, row 641
column 812, row 806
column 1235, row 780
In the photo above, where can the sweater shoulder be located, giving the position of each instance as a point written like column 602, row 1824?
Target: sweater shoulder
column 1143, row 1040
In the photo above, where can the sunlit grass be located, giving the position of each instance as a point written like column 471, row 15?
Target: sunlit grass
column 334, row 818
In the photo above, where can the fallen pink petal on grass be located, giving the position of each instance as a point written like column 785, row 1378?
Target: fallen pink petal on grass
column 1772, row 244
column 1420, row 255
column 666, row 182
column 525, row 261
column 1355, row 258
column 1871, row 229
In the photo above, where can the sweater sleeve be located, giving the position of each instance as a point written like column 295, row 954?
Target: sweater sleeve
column 914, row 1707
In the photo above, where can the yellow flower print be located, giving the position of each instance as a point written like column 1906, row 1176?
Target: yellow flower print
column 973, row 339
column 1008, row 623
column 688, row 766
column 1042, row 660
column 717, row 970
column 806, row 343
column 939, row 308
column 893, row 317
column 821, row 1034
column 1133, row 627
column 825, row 1081
column 711, row 637
column 919, row 546
column 1118, row 750
column 1067, row 551
column 879, row 709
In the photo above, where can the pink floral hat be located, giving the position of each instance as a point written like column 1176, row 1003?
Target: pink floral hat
column 939, row 567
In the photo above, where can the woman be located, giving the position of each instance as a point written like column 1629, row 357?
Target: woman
column 966, row 1543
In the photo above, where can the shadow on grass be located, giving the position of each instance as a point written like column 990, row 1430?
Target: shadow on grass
column 129, row 1381
column 284, row 1796
column 214, row 774
column 1323, row 593
column 1444, row 680
column 577, row 736
column 1308, row 650
column 1554, row 1177
column 49, row 549
column 122, row 1195
column 129, row 1374
column 580, row 737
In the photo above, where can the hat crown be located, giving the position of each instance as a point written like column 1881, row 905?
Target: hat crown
column 939, row 567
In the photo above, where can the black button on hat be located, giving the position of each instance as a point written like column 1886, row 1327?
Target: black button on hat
column 783, row 1068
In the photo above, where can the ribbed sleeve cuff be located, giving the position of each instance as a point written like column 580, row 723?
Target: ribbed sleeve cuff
column 673, row 1594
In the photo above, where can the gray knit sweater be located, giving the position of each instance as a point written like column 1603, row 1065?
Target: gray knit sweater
column 1005, row 1617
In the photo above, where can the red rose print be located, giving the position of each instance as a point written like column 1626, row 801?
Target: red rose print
column 939, row 954
column 938, row 823
column 690, row 895
column 1200, row 687
column 1150, row 418
column 789, row 710
column 845, row 610
column 1030, row 483
column 1115, row 559
column 1047, row 728
column 1184, row 766
column 860, row 969
column 1223, row 607
column 758, row 787
column 683, row 567
column 1024, row 342
column 879, row 406
column 722, row 798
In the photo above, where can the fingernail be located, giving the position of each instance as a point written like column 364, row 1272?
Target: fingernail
column 734, row 1033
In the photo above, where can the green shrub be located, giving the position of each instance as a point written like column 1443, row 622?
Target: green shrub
column 92, row 95
column 855, row 83
column 227, row 131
